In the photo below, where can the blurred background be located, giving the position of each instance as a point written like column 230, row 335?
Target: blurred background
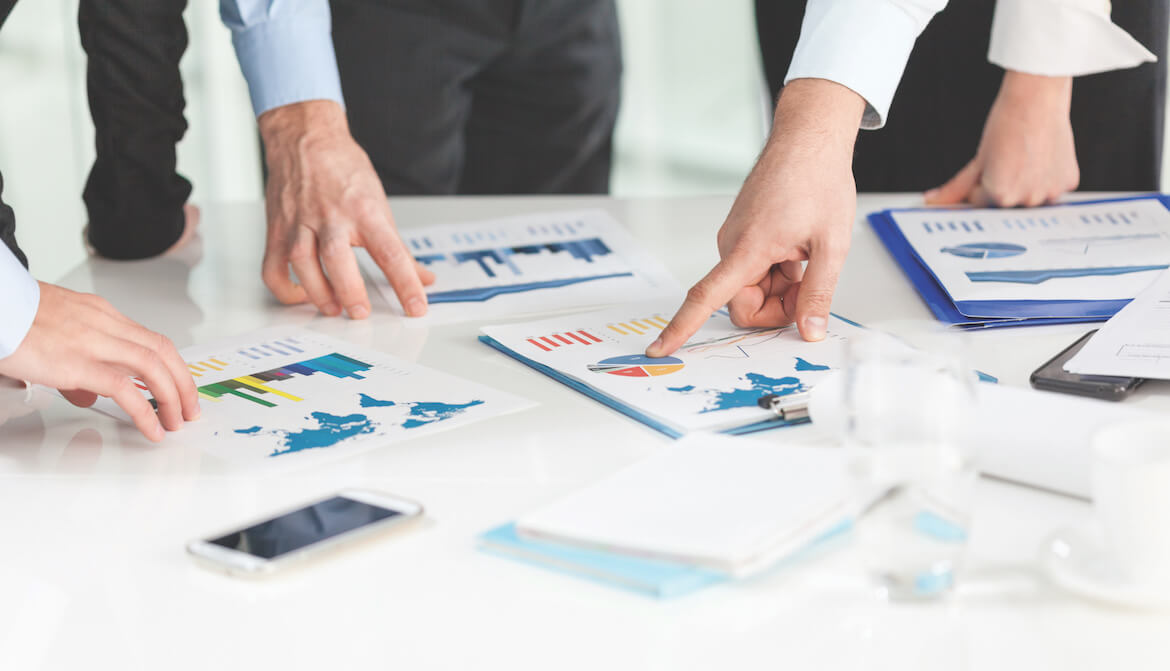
column 694, row 113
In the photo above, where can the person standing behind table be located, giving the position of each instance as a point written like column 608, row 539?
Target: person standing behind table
column 81, row 345
column 954, row 100
column 444, row 97
column 799, row 202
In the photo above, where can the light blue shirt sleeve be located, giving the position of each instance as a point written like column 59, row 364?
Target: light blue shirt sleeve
column 285, row 49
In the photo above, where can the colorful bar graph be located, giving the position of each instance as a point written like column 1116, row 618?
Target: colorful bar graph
column 257, row 385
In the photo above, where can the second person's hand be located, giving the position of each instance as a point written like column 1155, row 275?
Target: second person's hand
column 1027, row 155
column 797, row 205
column 323, row 199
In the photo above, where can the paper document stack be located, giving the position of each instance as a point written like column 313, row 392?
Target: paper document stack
column 1004, row 267
column 701, row 510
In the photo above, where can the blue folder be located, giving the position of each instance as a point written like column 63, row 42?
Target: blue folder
column 987, row 314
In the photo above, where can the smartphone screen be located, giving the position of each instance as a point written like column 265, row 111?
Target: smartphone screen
column 300, row 528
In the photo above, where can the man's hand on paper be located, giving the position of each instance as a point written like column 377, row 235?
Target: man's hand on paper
column 797, row 205
column 1027, row 155
column 81, row 345
column 323, row 199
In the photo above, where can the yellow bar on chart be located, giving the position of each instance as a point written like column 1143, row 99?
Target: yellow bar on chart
column 208, row 397
column 616, row 329
column 193, row 369
column 633, row 328
column 259, row 384
column 214, row 360
column 659, row 320
column 209, row 365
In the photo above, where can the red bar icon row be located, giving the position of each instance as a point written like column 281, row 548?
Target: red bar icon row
column 548, row 343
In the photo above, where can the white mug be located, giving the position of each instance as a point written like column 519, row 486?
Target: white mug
column 1131, row 495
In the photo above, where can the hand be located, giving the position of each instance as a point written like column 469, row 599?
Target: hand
column 323, row 199
column 1027, row 155
column 797, row 205
column 81, row 345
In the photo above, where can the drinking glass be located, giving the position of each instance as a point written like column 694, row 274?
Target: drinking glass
column 909, row 395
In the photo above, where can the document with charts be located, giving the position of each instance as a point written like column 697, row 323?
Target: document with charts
column 713, row 383
column 1097, row 251
column 1135, row 342
column 290, row 394
column 553, row 261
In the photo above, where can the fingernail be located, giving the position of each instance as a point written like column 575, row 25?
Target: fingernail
column 358, row 312
column 814, row 328
column 331, row 309
column 654, row 347
column 416, row 307
column 158, row 433
column 929, row 195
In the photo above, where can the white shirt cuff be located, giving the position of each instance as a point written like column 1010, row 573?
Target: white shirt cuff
column 861, row 44
column 1061, row 38
column 19, row 297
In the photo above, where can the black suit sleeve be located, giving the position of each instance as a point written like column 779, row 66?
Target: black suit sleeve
column 8, row 224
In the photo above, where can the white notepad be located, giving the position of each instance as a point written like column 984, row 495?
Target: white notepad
column 736, row 505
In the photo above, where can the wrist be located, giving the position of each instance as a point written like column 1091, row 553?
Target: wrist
column 289, row 126
column 1036, row 91
column 817, row 117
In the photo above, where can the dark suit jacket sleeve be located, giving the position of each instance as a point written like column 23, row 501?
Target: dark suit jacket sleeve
column 8, row 227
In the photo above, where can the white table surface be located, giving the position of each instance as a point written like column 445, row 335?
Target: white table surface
column 93, row 520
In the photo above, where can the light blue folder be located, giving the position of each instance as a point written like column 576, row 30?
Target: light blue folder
column 653, row 577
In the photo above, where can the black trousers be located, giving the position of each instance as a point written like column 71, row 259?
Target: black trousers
column 134, row 196
column 482, row 96
column 937, row 117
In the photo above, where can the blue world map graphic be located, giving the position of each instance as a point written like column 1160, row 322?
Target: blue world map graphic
column 332, row 429
column 751, row 387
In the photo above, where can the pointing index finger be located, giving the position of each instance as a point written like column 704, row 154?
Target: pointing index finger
column 708, row 295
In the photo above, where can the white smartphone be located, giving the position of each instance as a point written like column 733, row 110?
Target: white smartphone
column 294, row 536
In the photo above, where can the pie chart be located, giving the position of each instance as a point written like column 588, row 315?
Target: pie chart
column 637, row 365
column 985, row 250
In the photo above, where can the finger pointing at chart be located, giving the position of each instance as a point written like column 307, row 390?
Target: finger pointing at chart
column 797, row 205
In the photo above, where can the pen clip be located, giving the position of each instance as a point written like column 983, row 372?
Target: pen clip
column 790, row 407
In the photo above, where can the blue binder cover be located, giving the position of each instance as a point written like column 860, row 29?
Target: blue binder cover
column 622, row 407
column 989, row 314
column 654, row 577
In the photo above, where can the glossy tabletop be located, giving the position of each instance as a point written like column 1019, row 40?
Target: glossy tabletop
column 93, row 519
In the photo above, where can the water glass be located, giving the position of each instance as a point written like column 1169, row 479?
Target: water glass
column 909, row 395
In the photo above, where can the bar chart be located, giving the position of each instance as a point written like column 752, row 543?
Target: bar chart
column 638, row 326
column 256, row 386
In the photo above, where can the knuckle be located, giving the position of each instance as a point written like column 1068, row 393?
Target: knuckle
column 819, row 300
column 700, row 293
